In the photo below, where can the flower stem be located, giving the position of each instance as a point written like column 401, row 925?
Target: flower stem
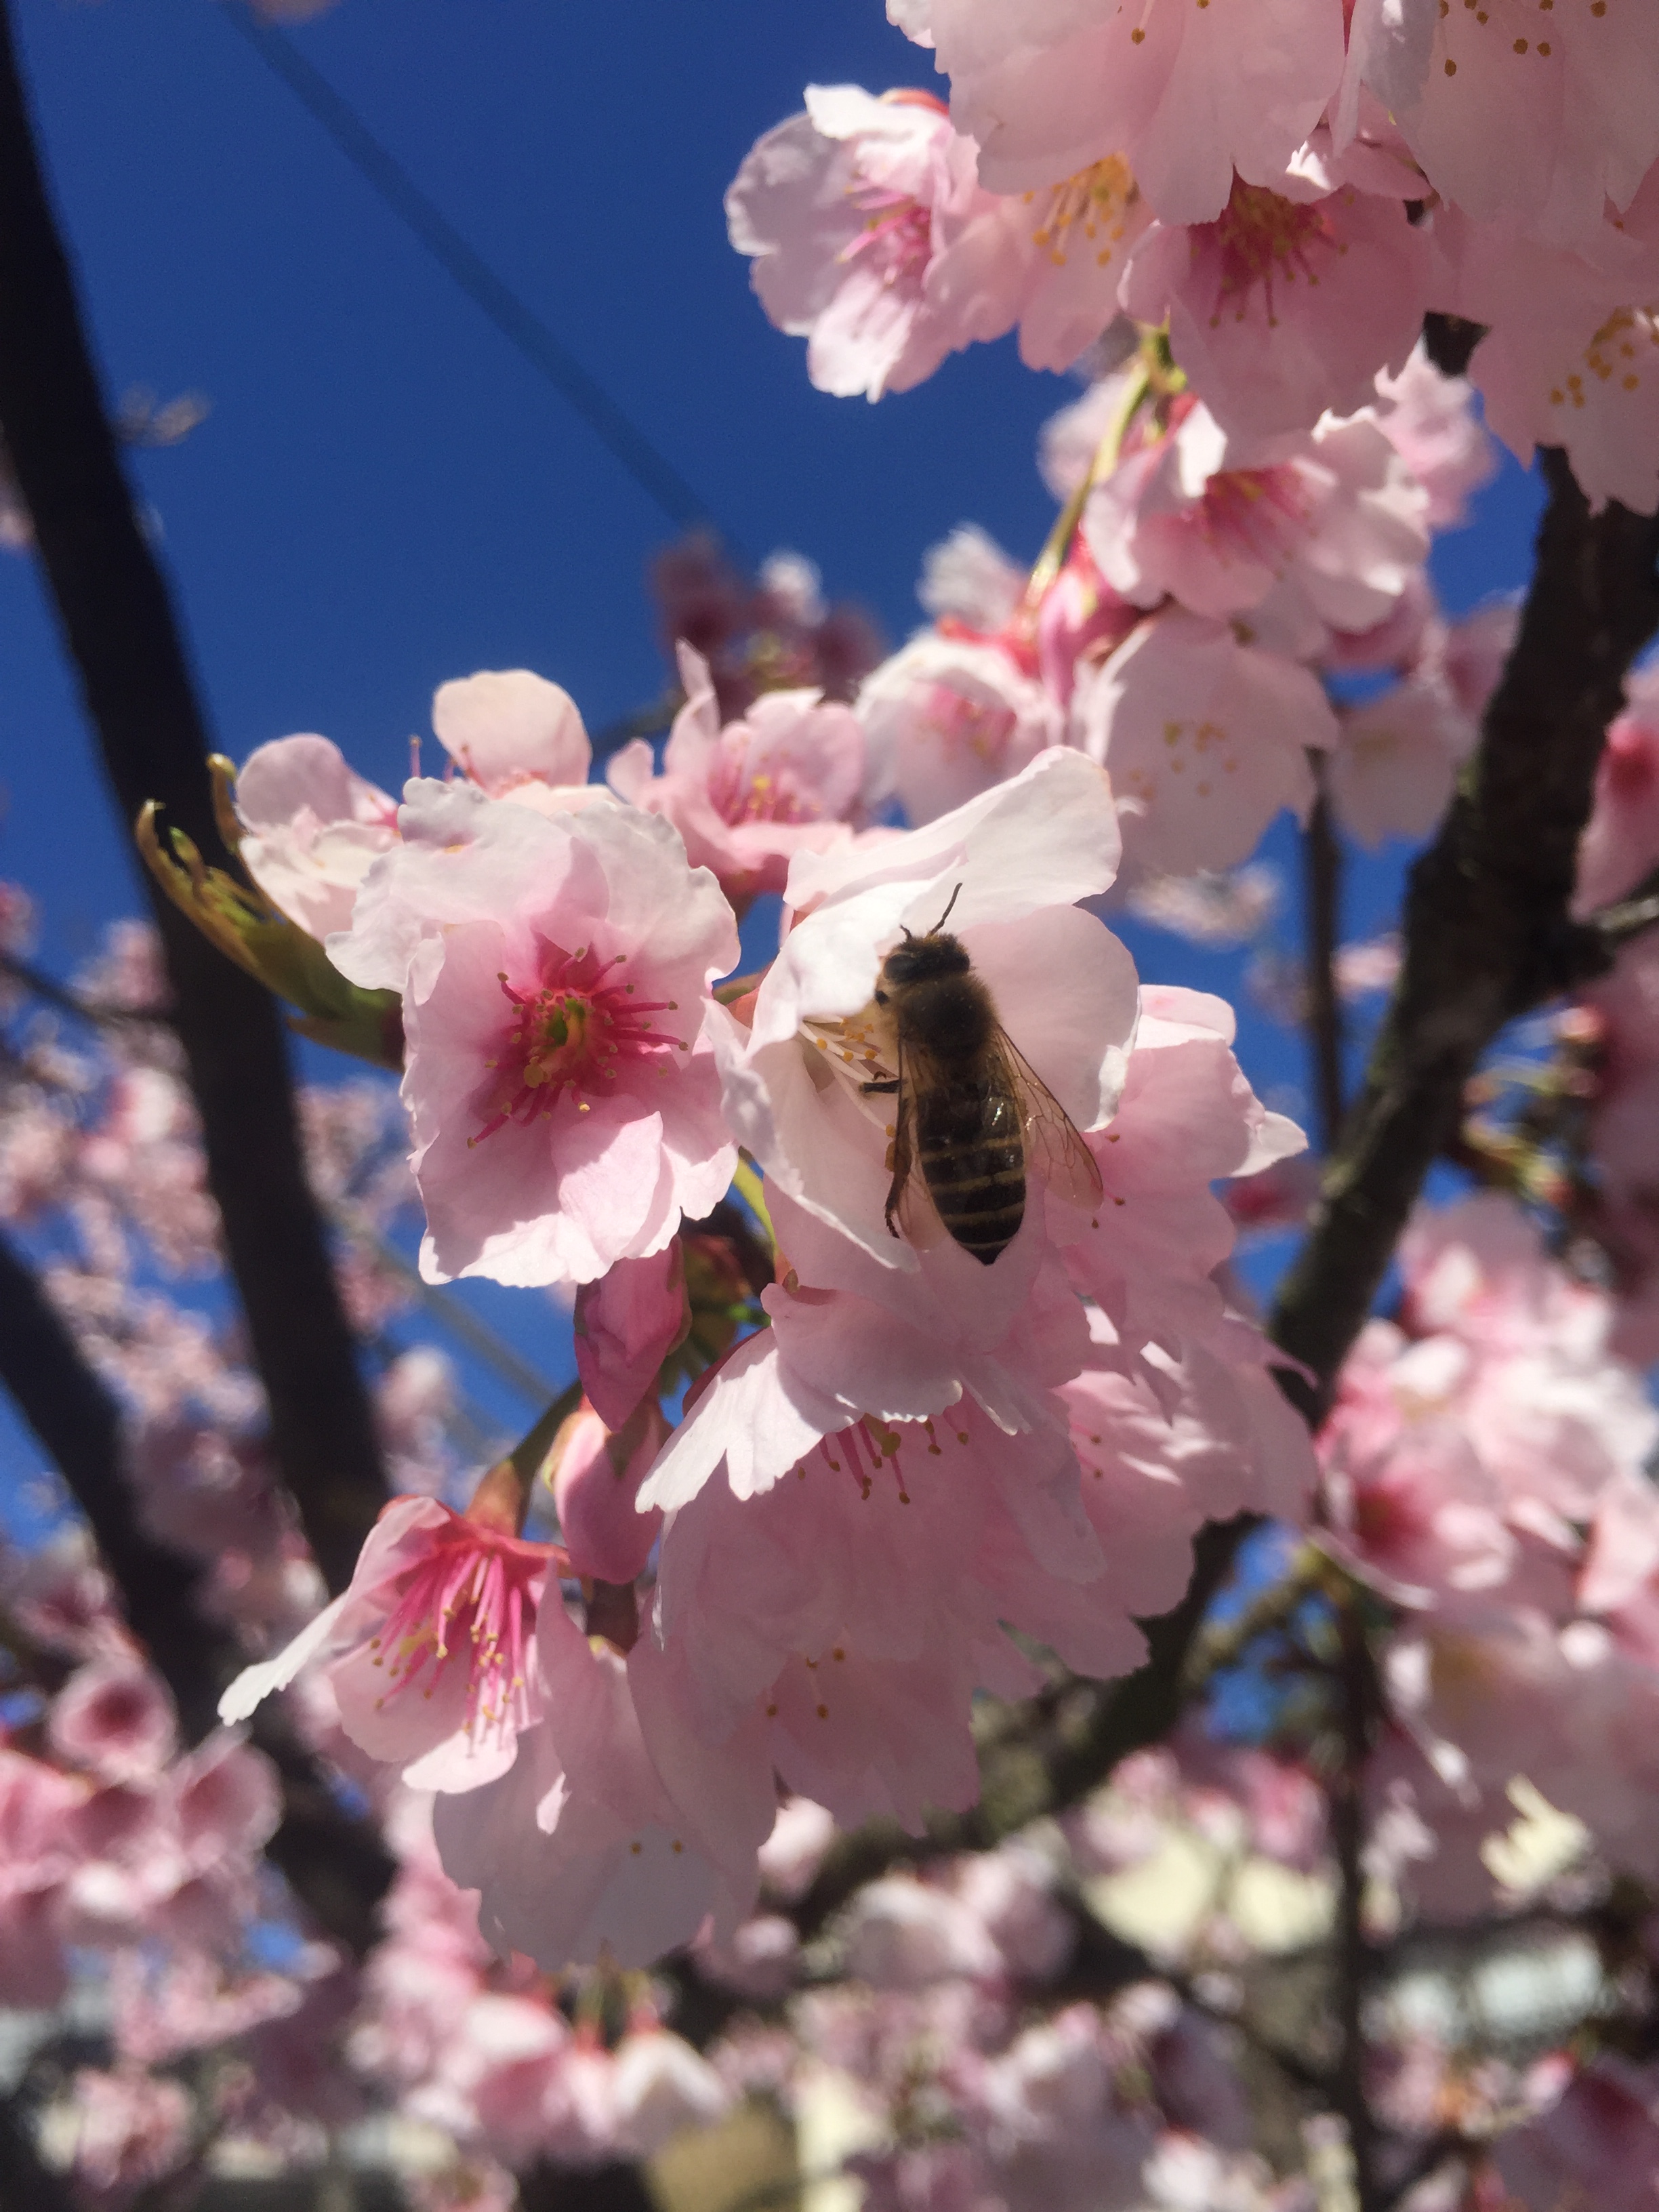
column 1052, row 559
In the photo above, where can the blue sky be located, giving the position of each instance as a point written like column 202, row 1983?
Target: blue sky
column 385, row 494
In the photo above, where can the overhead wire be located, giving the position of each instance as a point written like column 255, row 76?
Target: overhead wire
column 645, row 461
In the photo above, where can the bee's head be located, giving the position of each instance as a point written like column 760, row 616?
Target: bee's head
column 919, row 959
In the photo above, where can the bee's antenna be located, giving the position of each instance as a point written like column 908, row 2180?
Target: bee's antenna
column 945, row 916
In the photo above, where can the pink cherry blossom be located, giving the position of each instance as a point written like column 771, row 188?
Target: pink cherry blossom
column 1474, row 652
column 1049, row 260
column 1430, row 421
column 1568, row 359
column 554, row 973
column 1205, row 740
column 131, row 2129
column 843, row 210
column 853, row 1611
column 1047, row 92
column 901, row 1933
column 1186, row 1118
column 950, row 715
column 428, row 1651
column 613, row 1828
column 1287, row 304
column 37, row 1857
column 967, row 578
column 313, row 827
column 509, row 729
column 1508, row 122
column 1312, row 533
column 855, row 1336
column 747, row 797
column 626, row 1325
column 1396, row 759
column 115, row 1718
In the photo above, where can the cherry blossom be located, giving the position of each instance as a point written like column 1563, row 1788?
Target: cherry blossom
column 612, row 1828
column 1546, row 143
column 512, row 733
column 1048, row 92
column 1393, row 768
column 1301, row 533
column 1286, row 305
column 843, row 210
column 747, row 797
column 1565, row 360
column 596, row 1473
column 428, row 1651
column 951, row 715
column 554, row 970
column 1430, row 421
column 1205, row 739
column 313, row 827
column 1620, row 841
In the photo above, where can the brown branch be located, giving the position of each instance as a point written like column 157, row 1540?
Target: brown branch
column 336, row 1865
column 1487, row 931
column 119, row 628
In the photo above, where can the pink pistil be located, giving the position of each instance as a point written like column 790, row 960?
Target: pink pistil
column 1256, row 511
column 469, row 1599
column 761, row 796
column 572, row 1031
column 1264, row 238
column 897, row 233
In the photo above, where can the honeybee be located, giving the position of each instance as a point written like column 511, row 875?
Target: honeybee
column 973, row 1119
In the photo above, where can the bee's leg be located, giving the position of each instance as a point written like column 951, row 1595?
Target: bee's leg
column 890, row 1083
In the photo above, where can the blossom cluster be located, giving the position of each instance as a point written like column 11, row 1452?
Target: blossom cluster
column 784, row 1041
column 809, row 1579
column 1287, row 190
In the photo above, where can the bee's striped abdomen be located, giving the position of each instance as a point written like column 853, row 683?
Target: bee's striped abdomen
column 972, row 1155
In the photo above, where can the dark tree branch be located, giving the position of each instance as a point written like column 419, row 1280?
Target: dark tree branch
column 1321, row 865
column 335, row 1864
column 1487, row 931
column 79, row 1424
column 119, row 625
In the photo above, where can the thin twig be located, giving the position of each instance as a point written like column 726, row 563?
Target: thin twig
column 51, row 992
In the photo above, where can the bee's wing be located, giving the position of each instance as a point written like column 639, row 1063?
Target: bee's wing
column 909, row 1204
column 1054, row 1149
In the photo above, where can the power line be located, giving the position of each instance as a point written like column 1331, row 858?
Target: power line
column 650, row 468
